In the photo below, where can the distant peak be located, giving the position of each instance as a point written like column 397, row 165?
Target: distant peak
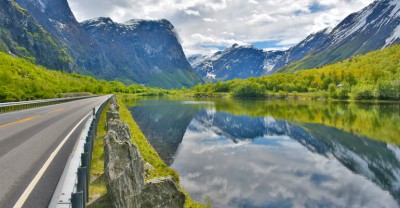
column 99, row 21
column 237, row 46
column 138, row 21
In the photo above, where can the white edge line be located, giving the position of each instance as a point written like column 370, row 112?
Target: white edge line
column 22, row 199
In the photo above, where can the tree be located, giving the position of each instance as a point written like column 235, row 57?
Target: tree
column 249, row 90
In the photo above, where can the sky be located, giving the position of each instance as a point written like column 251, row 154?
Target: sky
column 205, row 26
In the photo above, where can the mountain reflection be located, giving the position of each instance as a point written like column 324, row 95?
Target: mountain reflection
column 242, row 161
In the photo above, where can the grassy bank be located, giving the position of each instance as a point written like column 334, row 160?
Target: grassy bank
column 97, row 187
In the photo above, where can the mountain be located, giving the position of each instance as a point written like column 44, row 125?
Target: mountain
column 143, row 51
column 93, row 46
column 197, row 58
column 248, row 61
column 21, row 35
column 375, row 27
column 237, row 62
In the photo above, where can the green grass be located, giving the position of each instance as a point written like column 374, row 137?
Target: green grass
column 97, row 188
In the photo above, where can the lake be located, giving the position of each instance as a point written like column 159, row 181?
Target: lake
column 278, row 153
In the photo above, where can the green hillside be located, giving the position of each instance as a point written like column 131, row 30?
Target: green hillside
column 375, row 75
column 22, row 80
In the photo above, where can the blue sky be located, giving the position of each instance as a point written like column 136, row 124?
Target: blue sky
column 210, row 25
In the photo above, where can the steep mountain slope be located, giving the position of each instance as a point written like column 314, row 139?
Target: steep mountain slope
column 21, row 35
column 244, row 61
column 143, row 51
column 92, row 46
column 375, row 27
column 56, row 17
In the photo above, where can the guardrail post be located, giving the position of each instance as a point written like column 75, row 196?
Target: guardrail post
column 77, row 200
column 82, row 184
column 85, row 160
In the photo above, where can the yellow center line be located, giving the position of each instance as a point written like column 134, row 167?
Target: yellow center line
column 57, row 110
column 19, row 121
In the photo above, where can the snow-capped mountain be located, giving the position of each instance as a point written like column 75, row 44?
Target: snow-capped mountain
column 237, row 62
column 248, row 61
column 375, row 27
column 197, row 58
column 115, row 51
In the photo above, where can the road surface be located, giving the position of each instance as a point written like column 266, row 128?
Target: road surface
column 27, row 139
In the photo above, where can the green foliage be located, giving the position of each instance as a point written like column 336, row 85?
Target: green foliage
column 375, row 75
column 22, row 80
column 363, row 92
column 249, row 90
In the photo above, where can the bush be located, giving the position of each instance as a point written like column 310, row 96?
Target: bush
column 363, row 92
column 343, row 94
column 249, row 90
column 387, row 91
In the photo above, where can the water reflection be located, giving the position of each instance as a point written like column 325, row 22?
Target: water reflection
column 249, row 158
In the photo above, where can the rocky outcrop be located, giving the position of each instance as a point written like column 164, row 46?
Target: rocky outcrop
column 160, row 193
column 125, row 171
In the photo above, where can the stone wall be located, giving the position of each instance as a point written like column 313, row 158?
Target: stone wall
column 124, row 169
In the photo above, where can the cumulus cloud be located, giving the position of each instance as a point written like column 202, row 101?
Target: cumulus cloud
column 205, row 25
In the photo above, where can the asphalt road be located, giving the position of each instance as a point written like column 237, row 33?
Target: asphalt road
column 28, row 138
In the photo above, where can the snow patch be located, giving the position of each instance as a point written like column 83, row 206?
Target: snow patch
column 361, row 21
column 211, row 75
column 396, row 10
column 395, row 36
column 42, row 5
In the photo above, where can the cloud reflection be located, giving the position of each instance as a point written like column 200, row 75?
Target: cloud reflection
column 268, row 171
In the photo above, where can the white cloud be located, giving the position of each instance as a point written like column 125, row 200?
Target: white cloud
column 202, row 24
column 192, row 12
column 209, row 20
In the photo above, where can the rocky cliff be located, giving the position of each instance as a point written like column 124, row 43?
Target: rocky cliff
column 142, row 51
column 125, row 171
column 21, row 35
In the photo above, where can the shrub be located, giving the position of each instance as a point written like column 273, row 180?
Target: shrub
column 249, row 90
column 363, row 92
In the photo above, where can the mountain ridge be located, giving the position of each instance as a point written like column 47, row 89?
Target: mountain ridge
column 166, row 69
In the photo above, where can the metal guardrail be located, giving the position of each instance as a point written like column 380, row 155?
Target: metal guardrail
column 73, row 188
column 5, row 107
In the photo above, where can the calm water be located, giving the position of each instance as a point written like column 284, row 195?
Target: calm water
column 278, row 153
